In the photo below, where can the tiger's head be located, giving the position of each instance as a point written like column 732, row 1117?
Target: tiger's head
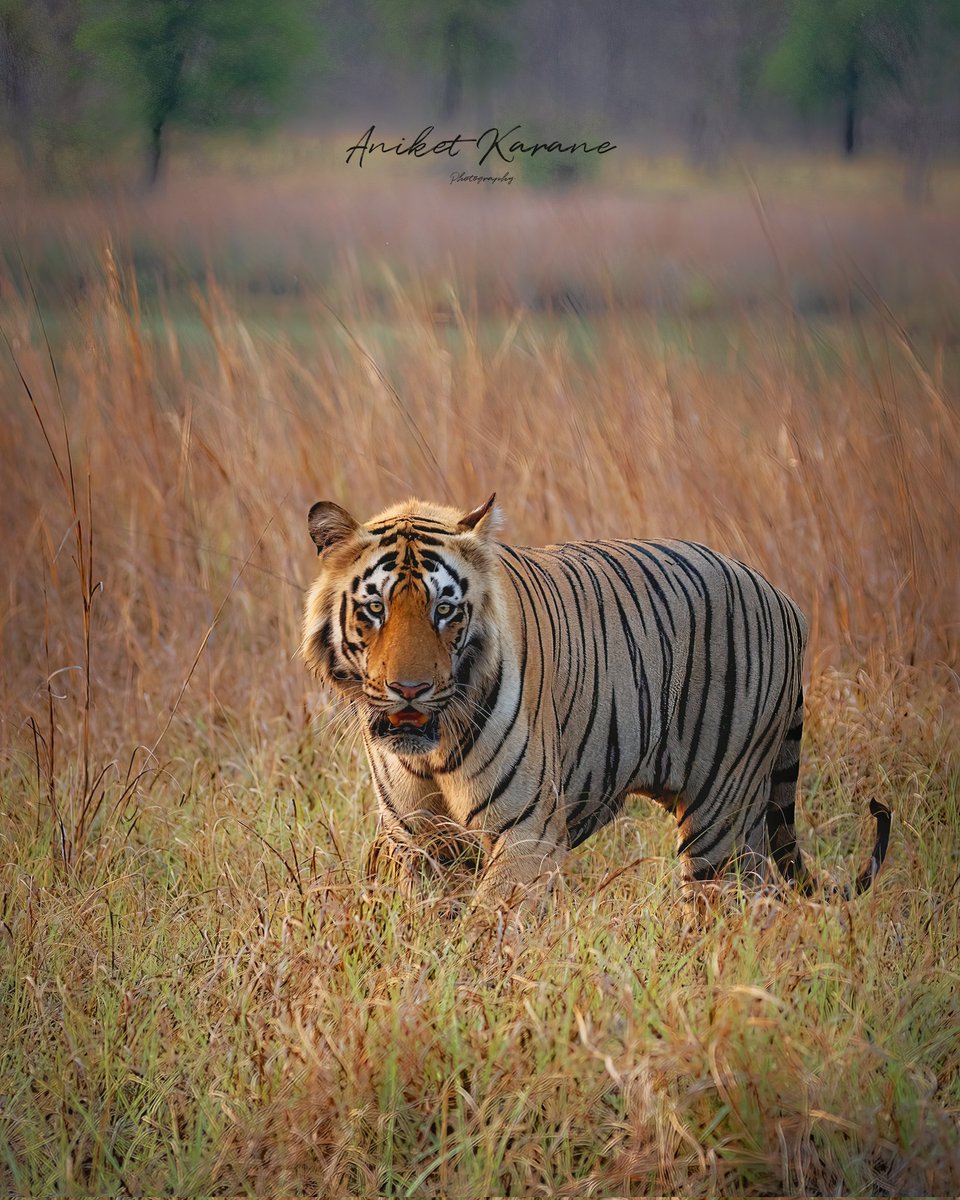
column 402, row 616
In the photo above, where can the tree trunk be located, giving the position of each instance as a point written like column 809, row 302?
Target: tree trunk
column 165, row 103
column 154, row 155
column 851, row 107
column 453, row 80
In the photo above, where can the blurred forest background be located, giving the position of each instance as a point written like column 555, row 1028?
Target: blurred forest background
column 83, row 77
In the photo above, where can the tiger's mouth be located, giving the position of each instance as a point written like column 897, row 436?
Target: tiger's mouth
column 408, row 716
column 409, row 727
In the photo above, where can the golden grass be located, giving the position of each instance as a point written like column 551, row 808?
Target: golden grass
column 201, row 993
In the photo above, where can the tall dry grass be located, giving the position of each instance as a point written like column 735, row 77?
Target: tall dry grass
column 202, row 994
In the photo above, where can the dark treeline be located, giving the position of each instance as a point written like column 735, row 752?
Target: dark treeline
column 854, row 75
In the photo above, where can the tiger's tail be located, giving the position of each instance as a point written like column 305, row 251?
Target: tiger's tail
column 781, row 817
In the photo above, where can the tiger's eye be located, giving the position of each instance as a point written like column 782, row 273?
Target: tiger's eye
column 444, row 609
column 375, row 608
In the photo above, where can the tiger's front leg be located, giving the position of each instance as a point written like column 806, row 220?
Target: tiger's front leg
column 520, row 874
column 525, row 859
column 418, row 844
column 428, row 854
column 410, row 826
column 397, row 858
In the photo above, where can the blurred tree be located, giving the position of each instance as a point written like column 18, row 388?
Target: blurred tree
column 197, row 62
column 848, row 49
column 827, row 54
column 462, row 39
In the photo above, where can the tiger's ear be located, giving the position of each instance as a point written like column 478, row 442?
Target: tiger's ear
column 483, row 520
column 329, row 524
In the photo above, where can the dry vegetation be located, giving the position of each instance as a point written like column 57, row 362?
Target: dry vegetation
column 200, row 992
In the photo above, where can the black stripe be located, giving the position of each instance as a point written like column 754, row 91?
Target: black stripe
column 469, row 657
column 613, row 751
column 502, row 786
column 786, row 774
column 481, row 714
column 388, row 561
column 594, row 707
column 639, row 680
column 754, row 742
column 423, row 539
column 585, row 566
column 745, row 785
column 355, row 648
column 517, row 820
column 383, row 794
column 553, row 809
column 522, row 816
column 577, row 646
column 779, row 815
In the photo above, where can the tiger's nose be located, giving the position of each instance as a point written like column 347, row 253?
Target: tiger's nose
column 408, row 690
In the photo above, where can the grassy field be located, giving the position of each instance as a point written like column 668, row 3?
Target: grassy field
column 201, row 991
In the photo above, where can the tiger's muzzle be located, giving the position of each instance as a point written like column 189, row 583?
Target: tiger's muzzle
column 409, row 730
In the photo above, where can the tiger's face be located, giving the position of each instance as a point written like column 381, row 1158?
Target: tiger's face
column 399, row 618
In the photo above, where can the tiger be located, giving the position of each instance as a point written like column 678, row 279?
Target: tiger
column 522, row 694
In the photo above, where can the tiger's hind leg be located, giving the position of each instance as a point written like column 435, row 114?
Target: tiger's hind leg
column 781, row 808
column 725, row 840
column 750, row 859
